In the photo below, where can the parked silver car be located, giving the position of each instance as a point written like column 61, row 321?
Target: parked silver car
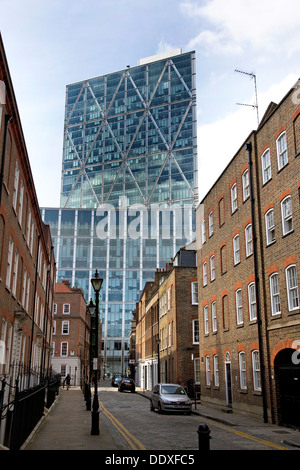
column 170, row 397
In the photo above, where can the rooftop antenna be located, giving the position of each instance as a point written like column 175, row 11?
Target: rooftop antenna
column 255, row 106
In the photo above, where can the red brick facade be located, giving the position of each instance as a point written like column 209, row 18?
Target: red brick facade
column 248, row 271
column 27, row 265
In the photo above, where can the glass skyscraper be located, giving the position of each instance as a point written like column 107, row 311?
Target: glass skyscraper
column 129, row 185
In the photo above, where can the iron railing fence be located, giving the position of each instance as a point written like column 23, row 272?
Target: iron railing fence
column 23, row 397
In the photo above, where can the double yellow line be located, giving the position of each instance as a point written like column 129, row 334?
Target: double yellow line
column 133, row 443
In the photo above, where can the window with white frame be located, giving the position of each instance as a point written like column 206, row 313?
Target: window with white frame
column 24, row 283
column 66, row 309
column 248, row 238
column 197, row 370
column 204, row 270
column 55, row 309
column 65, row 327
column 286, row 215
column 266, row 166
column 239, row 306
column 236, row 249
column 64, row 349
column 233, row 197
column 242, row 368
column 203, row 232
column 270, row 226
column 28, row 232
column 195, row 331
column 292, row 287
column 205, row 312
column 256, row 370
column 207, row 370
column 15, row 273
column 54, row 328
column 214, row 316
column 9, row 262
column 246, row 185
column 252, row 301
column 274, row 293
column 21, row 197
column 194, row 288
column 16, row 186
column 216, row 370
column 210, row 223
column 212, row 268
column 282, row 153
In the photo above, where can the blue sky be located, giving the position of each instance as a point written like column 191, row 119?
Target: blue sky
column 52, row 43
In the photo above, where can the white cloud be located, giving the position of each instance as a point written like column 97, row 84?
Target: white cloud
column 268, row 25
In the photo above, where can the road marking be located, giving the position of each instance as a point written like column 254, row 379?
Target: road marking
column 134, row 443
column 253, row 438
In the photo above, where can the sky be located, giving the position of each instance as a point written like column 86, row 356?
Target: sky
column 52, row 43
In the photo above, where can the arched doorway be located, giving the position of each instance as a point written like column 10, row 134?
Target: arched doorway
column 287, row 374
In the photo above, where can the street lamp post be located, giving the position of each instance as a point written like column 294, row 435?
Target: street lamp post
column 91, row 309
column 96, row 283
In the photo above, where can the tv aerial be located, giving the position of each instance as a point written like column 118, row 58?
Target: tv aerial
column 254, row 106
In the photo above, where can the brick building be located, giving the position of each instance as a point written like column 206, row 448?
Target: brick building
column 248, row 274
column 167, row 329
column 27, row 264
column 71, row 333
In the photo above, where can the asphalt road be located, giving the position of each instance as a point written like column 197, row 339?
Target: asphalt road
column 129, row 416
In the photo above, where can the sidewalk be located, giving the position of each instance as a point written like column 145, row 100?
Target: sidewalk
column 67, row 426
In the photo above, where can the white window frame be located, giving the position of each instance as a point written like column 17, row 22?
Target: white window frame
column 196, row 331
column 214, row 316
column 246, row 185
column 270, row 226
column 216, row 371
column 236, row 249
column 239, row 307
column 233, row 192
column 15, row 273
column 65, row 327
column 21, row 198
column 66, row 309
column 287, row 215
column 207, row 370
column 9, row 262
column 211, row 223
column 256, row 371
column 64, row 349
column 194, row 291
column 16, row 186
column 205, row 314
column 292, row 287
column 282, row 152
column 242, row 369
column 203, row 232
column 248, row 239
column 266, row 166
column 204, row 270
column 252, row 301
column 212, row 268
column 275, row 294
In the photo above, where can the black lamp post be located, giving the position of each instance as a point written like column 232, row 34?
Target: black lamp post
column 88, row 397
column 96, row 283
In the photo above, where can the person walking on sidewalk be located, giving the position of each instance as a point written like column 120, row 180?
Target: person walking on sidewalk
column 67, row 381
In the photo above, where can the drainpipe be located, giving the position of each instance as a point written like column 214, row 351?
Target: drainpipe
column 6, row 121
column 256, row 274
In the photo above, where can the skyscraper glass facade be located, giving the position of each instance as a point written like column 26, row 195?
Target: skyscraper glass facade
column 129, row 186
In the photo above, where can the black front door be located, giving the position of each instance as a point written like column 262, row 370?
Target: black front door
column 288, row 383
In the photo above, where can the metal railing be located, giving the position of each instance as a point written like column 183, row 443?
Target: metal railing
column 21, row 408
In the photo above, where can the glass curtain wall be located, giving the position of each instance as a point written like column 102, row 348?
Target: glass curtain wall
column 129, row 187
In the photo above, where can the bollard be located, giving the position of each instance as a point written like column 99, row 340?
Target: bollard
column 203, row 437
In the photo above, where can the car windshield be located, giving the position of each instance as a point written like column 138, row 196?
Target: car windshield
column 172, row 389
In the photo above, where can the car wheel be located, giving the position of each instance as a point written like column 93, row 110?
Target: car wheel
column 151, row 406
column 159, row 408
